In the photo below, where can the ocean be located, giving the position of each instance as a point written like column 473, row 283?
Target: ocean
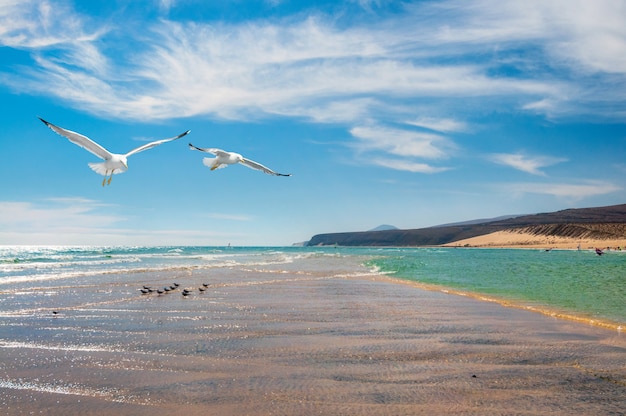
column 569, row 283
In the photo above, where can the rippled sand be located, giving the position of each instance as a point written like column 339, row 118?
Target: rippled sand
column 312, row 340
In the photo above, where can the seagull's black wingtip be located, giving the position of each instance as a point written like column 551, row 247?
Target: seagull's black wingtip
column 43, row 121
column 183, row 134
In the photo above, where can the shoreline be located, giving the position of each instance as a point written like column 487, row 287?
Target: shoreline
column 507, row 303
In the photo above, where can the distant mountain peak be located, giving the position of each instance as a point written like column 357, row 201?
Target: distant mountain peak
column 384, row 227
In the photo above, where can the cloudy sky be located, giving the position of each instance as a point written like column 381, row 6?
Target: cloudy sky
column 412, row 113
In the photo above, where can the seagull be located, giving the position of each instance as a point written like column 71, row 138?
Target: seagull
column 113, row 163
column 224, row 158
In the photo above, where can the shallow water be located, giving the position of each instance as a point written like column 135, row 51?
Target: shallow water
column 579, row 284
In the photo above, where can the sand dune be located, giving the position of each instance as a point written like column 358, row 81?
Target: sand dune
column 525, row 238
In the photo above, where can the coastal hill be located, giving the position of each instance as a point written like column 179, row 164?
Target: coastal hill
column 576, row 226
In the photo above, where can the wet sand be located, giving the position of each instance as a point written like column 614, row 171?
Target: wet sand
column 313, row 341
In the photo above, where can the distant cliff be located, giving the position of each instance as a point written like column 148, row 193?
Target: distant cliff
column 569, row 222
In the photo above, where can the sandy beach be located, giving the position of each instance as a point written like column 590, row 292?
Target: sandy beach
column 304, row 342
column 516, row 239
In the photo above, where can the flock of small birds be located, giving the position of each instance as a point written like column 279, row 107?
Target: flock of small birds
column 145, row 290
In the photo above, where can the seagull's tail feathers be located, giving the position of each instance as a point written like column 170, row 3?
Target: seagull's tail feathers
column 211, row 162
column 102, row 170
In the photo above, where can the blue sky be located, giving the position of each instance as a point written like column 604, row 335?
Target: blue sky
column 404, row 113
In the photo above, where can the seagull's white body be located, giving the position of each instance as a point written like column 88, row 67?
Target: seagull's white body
column 223, row 158
column 113, row 163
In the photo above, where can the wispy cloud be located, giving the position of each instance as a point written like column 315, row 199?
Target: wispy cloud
column 404, row 143
column 574, row 191
column 404, row 147
column 56, row 221
column 228, row 217
column 407, row 165
column 529, row 164
column 166, row 5
column 36, row 24
column 56, row 214
column 77, row 220
column 444, row 125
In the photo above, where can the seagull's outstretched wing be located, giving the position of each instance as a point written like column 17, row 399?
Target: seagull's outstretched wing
column 215, row 152
column 82, row 141
column 154, row 144
column 257, row 166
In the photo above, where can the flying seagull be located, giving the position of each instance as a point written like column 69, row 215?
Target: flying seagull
column 113, row 163
column 224, row 158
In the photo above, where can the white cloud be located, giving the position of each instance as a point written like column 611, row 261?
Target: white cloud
column 593, row 34
column 563, row 190
column 404, row 146
column 60, row 215
column 34, row 24
column 78, row 221
column 166, row 5
column 333, row 111
column 444, row 125
column 407, row 165
column 525, row 163
column 402, row 142
column 578, row 32
column 229, row 217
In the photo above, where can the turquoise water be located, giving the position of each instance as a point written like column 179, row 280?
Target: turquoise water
column 574, row 282
column 568, row 281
